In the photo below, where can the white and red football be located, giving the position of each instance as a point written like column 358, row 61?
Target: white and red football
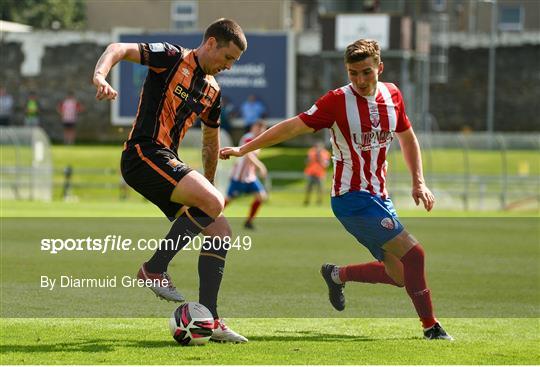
column 191, row 324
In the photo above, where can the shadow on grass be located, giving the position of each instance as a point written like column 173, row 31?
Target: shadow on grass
column 87, row 346
column 111, row 345
column 313, row 336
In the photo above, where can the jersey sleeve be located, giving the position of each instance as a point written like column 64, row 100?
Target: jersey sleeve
column 403, row 122
column 159, row 55
column 210, row 117
column 322, row 114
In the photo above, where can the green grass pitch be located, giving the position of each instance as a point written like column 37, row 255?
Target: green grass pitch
column 482, row 268
column 272, row 341
column 486, row 294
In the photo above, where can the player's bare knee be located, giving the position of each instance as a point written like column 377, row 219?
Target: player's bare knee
column 213, row 205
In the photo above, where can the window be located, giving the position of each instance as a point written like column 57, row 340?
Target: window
column 184, row 14
column 511, row 18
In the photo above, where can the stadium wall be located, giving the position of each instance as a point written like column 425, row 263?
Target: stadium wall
column 51, row 63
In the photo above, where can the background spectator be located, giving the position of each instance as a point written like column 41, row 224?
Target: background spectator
column 317, row 162
column 252, row 111
column 6, row 107
column 31, row 110
column 69, row 110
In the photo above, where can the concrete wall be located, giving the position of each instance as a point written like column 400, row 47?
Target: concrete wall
column 155, row 15
column 104, row 15
column 462, row 101
column 61, row 65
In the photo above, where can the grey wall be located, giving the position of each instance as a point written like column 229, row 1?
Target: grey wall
column 460, row 102
column 63, row 68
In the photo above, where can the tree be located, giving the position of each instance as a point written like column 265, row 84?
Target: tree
column 45, row 14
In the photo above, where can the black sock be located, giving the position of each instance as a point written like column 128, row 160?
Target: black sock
column 211, row 266
column 186, row 226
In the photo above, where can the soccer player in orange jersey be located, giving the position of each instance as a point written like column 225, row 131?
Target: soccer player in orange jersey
column 179, row 88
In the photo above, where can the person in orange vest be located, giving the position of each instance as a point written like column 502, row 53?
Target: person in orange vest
column 317, row 161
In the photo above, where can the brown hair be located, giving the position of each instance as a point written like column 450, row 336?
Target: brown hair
column 225, row 31
column 361, row 50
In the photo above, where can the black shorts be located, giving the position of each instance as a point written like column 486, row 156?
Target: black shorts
column 154, row 171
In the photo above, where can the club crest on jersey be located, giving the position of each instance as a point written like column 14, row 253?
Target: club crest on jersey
column 175, row 164
column 388, row 223
column 374, row 115
column 375, row 121
column 185, row 71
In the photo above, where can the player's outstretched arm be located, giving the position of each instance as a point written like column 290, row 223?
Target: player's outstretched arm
column 278, row 133
column 112, row 55
column 413, row 157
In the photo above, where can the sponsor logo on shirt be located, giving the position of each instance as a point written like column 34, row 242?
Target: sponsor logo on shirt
column 181, row 92
column 374, row 139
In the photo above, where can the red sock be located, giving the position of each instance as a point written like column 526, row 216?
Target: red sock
column 254, row 207
column 415, row 284
column 366, row 273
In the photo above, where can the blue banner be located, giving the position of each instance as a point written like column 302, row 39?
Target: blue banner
column 263, row 70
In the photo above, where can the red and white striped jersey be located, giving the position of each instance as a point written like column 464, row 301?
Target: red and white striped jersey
column 244, row 170
column 69, row 109
column 361, row 129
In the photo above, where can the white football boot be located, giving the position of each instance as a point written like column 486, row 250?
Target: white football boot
column 223, row 334
column 162, row 285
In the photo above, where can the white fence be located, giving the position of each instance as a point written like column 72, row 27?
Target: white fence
column 25, row 164
column 475, row 171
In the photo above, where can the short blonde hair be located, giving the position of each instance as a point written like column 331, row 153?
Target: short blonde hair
column 361, row 50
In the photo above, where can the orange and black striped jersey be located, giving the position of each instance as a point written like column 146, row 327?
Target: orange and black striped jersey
column 176, row 91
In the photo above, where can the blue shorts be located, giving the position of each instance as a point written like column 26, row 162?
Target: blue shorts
column 370, row 219
column 237, row 188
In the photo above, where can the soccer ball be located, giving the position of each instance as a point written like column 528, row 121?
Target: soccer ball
column 191, row 324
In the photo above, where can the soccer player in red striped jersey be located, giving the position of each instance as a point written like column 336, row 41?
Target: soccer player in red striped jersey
column 179, row 88
column 244, row 178
column 363, row 117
